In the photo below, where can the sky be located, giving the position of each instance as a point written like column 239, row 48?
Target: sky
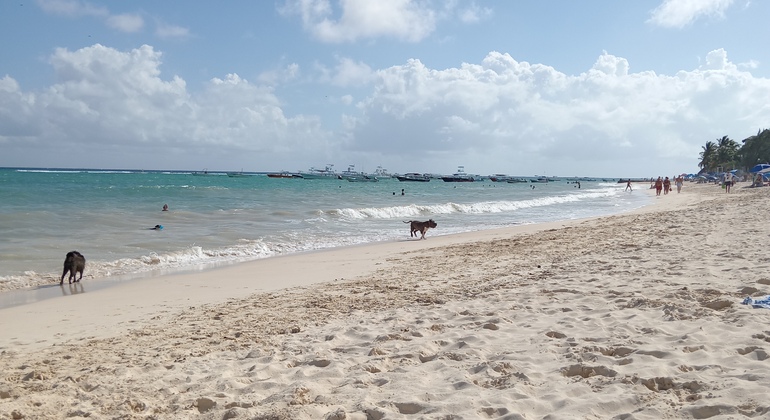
column 553, row 87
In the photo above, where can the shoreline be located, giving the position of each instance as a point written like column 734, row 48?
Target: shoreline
column 21, row 296
column 632, row 313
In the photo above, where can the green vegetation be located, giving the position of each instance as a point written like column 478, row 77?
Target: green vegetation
column 725, row 154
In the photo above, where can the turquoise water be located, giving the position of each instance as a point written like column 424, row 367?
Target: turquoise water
column 216, row 219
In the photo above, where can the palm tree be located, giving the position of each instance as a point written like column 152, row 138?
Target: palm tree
column 708, row 156
column 727, row 151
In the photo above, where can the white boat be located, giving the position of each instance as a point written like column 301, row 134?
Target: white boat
column 362, row 178
column 351, row 173
column 413, row 176
column 381, row 173
column 326, row 173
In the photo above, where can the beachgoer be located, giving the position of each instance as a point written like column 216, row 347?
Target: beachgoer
column 165, row 207
column 658, row 186
column 402, row 191
column 728, row 181
column 666, row 186
column 679, row 182
column 157, row 227
column 628, row 185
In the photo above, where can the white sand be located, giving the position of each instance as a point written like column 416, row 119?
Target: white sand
column 635, row 316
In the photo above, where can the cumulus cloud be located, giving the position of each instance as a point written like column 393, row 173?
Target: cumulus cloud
column 680, row 13
column 503, row 107
column 500, row 115
column 115, row 102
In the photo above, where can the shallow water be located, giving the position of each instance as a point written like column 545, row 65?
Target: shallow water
column 108, row 216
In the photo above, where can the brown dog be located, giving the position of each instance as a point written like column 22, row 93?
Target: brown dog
column 75, row 263
column 421, row 227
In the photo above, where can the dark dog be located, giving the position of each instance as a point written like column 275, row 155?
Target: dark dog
column 421, row 227
column 75, row 263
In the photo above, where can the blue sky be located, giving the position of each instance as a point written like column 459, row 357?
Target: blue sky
column 555, row 87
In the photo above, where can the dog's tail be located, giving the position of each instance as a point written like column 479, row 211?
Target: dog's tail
column 408, row 221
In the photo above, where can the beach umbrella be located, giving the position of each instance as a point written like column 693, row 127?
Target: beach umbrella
column 764, row 171
column 759, row 167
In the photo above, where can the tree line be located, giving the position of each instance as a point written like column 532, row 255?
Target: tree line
column 726, row 154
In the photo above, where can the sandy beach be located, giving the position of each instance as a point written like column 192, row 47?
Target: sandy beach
column 635, row 316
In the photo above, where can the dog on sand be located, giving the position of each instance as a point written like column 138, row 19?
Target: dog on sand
column 74, row 263
column 422, row 227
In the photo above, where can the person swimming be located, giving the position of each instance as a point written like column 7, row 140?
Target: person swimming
column 157, row 227
column 165, row 207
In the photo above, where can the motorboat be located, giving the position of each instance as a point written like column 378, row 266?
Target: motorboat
column 459, row 176
column 325, row 173
column 237, row 174
column 499, row 178
column 350, row 173
column 204, row 172
column 517, row 180
column 362, row 178
column 413, row 176
column 283, row 174
column 381, row 173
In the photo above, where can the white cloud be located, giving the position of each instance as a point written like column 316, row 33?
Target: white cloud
column 406, row 20
column 526, row 111
column 474, row 13
column 680, row 13
column 164, row 30
column 72, row 8
column 351, row 73
column 126, row 22
column 111, row 103
column 500, row 115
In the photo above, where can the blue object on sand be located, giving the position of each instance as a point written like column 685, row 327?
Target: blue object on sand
column 763, row 302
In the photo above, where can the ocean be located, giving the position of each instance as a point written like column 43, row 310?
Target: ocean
column 215, row 219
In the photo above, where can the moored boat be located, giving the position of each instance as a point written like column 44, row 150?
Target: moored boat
column 362, row 178
column 499, row 178
column 459, row 176
column 204, row 172
column 237, row 174
column 326, row 173
column 283, row 174
column 413, row 176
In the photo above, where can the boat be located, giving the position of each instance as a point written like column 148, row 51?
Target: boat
column 325, row 173
column 517, row 180
column 459, row 176
column 381, row 173
column 499, row 178
column 362, row 178
column 237, row 174
column 283, row 174
column 350, row 173
column 413, row 176
column 204, row 172
column 539, row 179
